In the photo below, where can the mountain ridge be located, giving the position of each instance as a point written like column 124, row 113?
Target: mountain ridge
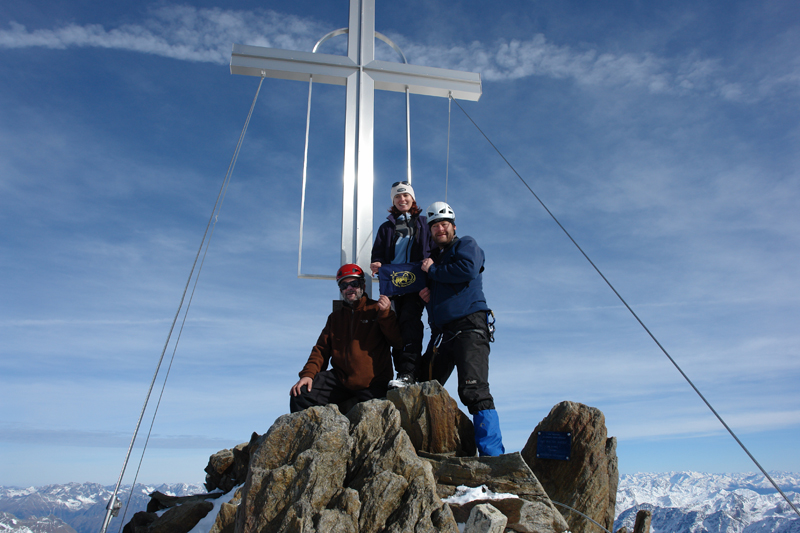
column 681, row 502
column 80, row 505
column 694, row 502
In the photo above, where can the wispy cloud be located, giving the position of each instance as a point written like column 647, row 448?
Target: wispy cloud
column 205, row 35
column 179, row 32
column 514, row 59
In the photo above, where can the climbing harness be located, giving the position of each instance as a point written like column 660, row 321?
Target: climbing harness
column 441, row 340
column 619, row 296
column 490, row 324
column 434, row 352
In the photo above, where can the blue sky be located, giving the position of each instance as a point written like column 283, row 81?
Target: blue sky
column 664, row 138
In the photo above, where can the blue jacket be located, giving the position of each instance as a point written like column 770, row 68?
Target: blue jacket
column 383, row 248
column 455, row 282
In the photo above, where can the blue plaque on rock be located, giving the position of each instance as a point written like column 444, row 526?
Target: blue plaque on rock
column 554, row 445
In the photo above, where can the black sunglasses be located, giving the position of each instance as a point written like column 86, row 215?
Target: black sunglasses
column 356, row 283
column 396, row 183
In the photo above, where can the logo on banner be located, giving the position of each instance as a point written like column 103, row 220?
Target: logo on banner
column 403, row 279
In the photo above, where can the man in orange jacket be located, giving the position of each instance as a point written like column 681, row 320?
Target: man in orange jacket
column 357, row 342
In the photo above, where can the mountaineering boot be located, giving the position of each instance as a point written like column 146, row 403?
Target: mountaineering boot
column 487, row 433
column 403, row 380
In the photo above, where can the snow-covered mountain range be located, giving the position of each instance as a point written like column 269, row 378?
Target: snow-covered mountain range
column 681, row 502
column 691, row 502
column 80, row 506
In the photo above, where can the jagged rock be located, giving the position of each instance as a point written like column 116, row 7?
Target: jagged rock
column 319, row 471
column 178, row 519
column 507, row 474
column 181, row 519
column 299, row 463
column 140, row 522
column 226, row 517
column 484, row 518
column 219, row 463
column 395, row 486
column 588, row 480
column 184, row 512
column 228, row 468
column 433, row 420
column 521, row 515
column 642, row 524
column 159, row 500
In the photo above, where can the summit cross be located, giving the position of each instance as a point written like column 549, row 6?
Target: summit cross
column 361, row 74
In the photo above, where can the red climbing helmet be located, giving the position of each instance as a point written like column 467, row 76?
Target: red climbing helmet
column 349, row 270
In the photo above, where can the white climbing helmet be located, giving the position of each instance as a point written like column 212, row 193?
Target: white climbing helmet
column 439, row 211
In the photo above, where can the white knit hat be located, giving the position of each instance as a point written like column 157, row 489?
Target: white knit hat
column 401, row 187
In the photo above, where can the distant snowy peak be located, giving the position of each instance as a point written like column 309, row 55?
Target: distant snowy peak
column 48, row 509
column 692, row 502
column 690, row 490
column 72, row 495
column 76, row 496
column 14, row 492
column 48, row 524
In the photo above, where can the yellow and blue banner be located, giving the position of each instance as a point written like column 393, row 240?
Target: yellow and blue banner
column 401, row 279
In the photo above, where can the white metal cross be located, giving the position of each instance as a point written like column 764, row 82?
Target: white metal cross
column 361, row 74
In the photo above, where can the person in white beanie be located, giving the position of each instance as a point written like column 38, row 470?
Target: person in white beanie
column 404, row 238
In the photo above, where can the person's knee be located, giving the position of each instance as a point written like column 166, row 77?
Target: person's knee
column 476, row 397
column 295, row 405
column 482, row 405
column 301, row 401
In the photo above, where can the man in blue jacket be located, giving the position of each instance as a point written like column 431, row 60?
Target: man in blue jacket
column 459, row 319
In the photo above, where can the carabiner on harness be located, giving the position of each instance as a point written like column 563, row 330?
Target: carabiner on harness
column 438, row 342
column 490, row 324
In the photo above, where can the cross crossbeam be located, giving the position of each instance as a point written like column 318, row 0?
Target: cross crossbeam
column 361, row 74
column 334, row 70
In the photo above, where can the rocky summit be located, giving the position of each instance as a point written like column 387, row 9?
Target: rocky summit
column 384, row 466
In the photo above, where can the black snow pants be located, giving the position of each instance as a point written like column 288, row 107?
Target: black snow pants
column 464, row 346
column 326, row 389
column 408, row 308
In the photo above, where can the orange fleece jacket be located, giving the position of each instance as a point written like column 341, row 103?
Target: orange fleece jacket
column 357, row 342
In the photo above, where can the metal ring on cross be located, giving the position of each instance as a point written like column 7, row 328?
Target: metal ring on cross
column 335, row 33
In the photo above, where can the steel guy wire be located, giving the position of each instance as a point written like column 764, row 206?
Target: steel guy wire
column 212, row 223
column 674, row 363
